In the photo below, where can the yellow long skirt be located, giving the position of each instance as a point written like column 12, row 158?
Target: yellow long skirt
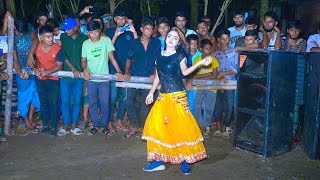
column 171, row 131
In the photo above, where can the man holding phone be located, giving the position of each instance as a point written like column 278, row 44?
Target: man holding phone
column 120, row 35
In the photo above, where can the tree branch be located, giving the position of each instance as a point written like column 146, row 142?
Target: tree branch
column 118, row 4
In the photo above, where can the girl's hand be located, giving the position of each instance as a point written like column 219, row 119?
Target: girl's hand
column 149, row 99
column 205, row 62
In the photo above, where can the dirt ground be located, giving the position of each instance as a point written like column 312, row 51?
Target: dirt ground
column 98, row 157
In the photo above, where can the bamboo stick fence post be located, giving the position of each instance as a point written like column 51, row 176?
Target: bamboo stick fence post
column 7, row 121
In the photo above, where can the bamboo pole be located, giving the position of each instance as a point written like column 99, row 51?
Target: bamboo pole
column 7, row 120
column 144, row 80
column 148, row 86
column 223, row 9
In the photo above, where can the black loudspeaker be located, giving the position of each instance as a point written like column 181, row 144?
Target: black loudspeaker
column 311, row 132
column 266, row 99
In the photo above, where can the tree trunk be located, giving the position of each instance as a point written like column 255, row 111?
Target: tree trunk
column 264, row 7
column 141, row 7
column 22, row 9
column 2, row 10
column 205, row 12
column 149, row 9
column 11, row 6
column 194, row 13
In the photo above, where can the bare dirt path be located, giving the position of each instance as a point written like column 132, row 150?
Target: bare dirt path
column 97, row 157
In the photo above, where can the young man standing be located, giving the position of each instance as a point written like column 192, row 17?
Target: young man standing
column 208, row 21
column 163, row 28
column 28, row 99
column 120, row 40
column 293, row 41
column 203, row 30
column 49, row 60
column 180, row 21
column 42, row 19
column 141, row 62
column 238, row 30
column 71, row 88
column 241, row 45
column 272, row 39
column 96, row 52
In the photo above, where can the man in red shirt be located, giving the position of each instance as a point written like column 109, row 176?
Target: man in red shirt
column 48, row 60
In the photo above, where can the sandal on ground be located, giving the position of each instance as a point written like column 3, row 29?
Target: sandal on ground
column 33, row 130
column 83, row 125
column 225, row 135
column 3, row 139
column 131, row 133
column 122, row 127
column 93, row 131
column 229, row 130
column 217, row 133
column 62, row 132
column 108, row 133
column 76, row 131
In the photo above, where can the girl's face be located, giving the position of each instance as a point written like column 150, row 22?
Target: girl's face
column 172, row 39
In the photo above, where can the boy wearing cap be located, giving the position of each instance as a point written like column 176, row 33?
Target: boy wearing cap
column 71, row 88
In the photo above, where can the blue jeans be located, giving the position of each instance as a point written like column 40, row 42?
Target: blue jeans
column 116, row 94
column 136, row 106
column 70, row 92
column 48, row 91
column 224, row 103
column 208, row 99
column 99, row 90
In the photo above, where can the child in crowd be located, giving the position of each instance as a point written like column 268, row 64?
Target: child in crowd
column 205, row 98
column 54, row 25
column 228, row 67
column 193, row 41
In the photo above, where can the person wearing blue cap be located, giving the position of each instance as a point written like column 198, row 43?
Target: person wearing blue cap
column 71, row 88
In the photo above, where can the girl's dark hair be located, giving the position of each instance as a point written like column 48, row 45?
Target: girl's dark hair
column 21, row 25
column 93, row 25
column 53, row 23
column 45, row 29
